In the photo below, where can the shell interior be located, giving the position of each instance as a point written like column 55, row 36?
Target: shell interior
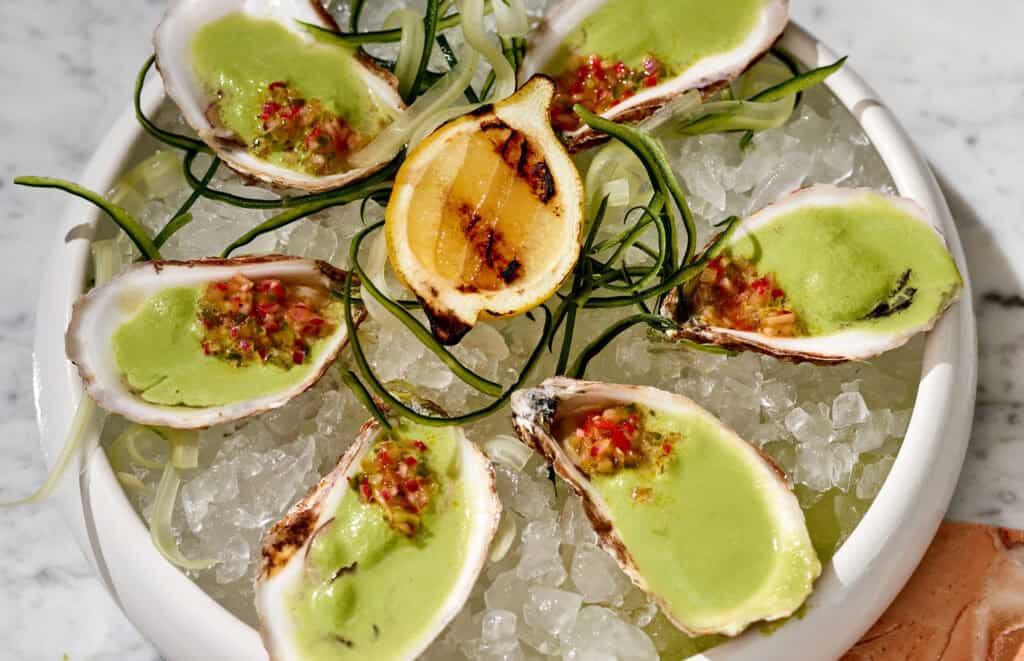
column 708, row 74
column 544, row 417
column 850, row 343
column 102, row 311
column 173, row 43
column 286, row 545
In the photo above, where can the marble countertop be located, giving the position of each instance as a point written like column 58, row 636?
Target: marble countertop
column 952, row 71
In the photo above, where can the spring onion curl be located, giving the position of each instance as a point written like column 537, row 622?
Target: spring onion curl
column 421, row 113
column 160, row 530
column 182, row 216
column 166, row 137
column 681, row 276
column 246, row 202
column 655, row 160
column 76, row 433
column 430, row 21
column 380, row 180
column 421, row 333
column 105, row 265
column 581, row 276
column 356, row 38
column 759, row 111
column 477, row 37
column 133, row 228
column 410, row 49
column 400, row 407
column 511, row 19
column 655, row 321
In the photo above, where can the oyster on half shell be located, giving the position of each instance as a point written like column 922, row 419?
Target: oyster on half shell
column 272, row 100
column 153, row 346
column 345, row 575
column 625, row 59
column 696, row 517
column 824, row 275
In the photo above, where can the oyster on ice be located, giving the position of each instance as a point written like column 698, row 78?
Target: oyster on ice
column 625, row 59
column 274, row 101
column 193, row 344
column 376, row 560
column 825, row 275
column 699, row 519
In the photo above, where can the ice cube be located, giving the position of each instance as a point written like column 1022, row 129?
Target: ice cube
column 848, row 408
column 234, row 560
column 576, row 528
column 552, row 611
column 597, row 576
column 539, row 559
column 870, row 434
column 872, row 478
column 808, row 428
column 600, row 634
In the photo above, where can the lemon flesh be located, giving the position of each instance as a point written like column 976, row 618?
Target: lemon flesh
column 486, row 215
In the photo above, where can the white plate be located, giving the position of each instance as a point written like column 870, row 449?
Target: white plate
column 861, row 580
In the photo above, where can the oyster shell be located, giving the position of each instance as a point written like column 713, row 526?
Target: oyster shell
column 872, row 272
column 100, row 313
column 710, row 508
column 289, row 557
column 546, row 52
column 173, row 41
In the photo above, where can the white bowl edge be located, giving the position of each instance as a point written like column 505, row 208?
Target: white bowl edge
column 860, row 581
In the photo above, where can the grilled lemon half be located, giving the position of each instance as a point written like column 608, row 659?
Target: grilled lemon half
column 486, row 214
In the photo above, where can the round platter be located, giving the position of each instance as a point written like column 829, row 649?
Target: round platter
column 858, row 583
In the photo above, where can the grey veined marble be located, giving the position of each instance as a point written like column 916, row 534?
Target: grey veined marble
column 952, row 71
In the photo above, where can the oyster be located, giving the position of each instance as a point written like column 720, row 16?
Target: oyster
column 625, row 59
column 825, row 275
column 486, row 214
column 273, row 101
column 193, row 344
column 369, row 566
column 700, row 520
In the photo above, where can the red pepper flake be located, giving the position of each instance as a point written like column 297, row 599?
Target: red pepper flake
column 298, row 356
column 666, row 448
column 411, row 461
column 598, row 86
column 420, row 445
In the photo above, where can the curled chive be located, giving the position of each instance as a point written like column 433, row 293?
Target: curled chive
column 798, row 83
column 356, row 38
column 351, row 193
column 466, row 375
column 431, row 19
column 182, row 217
column 133, row 228
column 656, row 321
column 436, row 421
column 651, row 153
column 166, row 137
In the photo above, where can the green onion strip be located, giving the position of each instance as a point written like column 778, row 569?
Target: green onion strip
column 421, row 333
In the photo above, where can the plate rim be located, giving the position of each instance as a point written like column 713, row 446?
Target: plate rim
column 904, row 515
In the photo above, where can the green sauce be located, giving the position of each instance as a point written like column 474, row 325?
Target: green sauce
column 398, row 583
column 677, row 33
column 707, row 540
column 837, row 263
column 240, row 56
column 160, row 356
